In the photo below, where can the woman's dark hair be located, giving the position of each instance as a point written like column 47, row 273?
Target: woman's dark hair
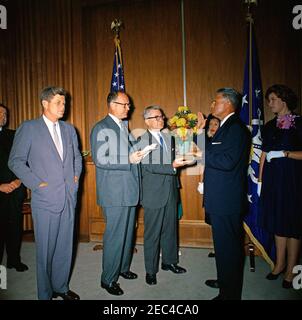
column 285, row 93
column 209, row 118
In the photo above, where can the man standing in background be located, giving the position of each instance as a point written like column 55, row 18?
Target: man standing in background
column 12, row 195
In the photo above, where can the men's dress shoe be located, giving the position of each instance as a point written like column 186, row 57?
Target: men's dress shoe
column 20, row 267
column 211, row 255
column 287, row 284
column 151, row 279
column 69, row 295
column 212, row 283
column 112, row 288
column 173, row 267
column 128, row 275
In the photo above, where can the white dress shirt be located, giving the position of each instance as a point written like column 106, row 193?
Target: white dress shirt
column 50, row 129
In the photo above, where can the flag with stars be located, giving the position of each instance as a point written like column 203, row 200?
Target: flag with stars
column 117, row 79
column 252, row 115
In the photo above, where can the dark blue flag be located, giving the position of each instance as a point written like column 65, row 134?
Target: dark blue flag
column 252, row 115
column 117, row 80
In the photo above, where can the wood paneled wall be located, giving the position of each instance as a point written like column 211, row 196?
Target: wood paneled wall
column 69, row 43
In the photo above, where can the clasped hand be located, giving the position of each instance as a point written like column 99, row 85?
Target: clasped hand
column 136, row 157
column 10, row 187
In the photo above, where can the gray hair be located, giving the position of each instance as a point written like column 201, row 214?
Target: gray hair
column 232, row 95
column 148, row 109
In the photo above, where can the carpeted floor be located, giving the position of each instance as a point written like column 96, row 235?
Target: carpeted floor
column 85, row 279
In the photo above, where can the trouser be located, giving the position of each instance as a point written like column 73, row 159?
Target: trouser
column 160, row 232
column 117, row 242
column 11, row 229
column 228, row 245
column 54, row 244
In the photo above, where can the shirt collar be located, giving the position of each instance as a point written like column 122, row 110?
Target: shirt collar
column 49, row 122
column 115, row 119
column 226, row 118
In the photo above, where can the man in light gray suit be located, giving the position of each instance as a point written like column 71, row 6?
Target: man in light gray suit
column 118, row 189
column 46, row 158
column 160, row 197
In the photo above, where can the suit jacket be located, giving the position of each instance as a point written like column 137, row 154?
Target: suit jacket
column 34, row 159
column 159, row 179
column 117, row 180
column 6, row 175
column 226, row 162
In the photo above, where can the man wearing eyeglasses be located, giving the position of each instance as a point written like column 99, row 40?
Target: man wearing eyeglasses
column 118, row 189
column 160, row 197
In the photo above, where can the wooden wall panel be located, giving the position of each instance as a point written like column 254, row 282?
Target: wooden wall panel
column 69, row 43
column 151, row 46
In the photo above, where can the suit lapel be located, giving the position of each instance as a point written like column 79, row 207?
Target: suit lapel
column 64, row 139
column 46, row 136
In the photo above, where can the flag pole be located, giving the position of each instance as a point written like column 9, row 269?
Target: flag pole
column 184, row 71
column 116, row 26
column 250, row 21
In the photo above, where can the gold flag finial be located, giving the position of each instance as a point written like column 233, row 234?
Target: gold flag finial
column 116, row 26
column 250, row 4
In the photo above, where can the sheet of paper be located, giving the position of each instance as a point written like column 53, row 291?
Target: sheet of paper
column 149, row 149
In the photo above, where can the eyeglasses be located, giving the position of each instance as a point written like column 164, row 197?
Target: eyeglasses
column 123, row 104
column 158, row 118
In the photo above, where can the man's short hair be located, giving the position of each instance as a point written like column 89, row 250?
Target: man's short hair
column 232, row 95
column 148, row 109
column 112, row 96
column 4, row 107
column 49, row 92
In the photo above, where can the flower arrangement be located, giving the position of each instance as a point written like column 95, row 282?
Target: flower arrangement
column 183, row 123
column 286, row 121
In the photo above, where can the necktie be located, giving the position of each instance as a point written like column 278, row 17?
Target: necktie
column 57, row 141
column 123, row 126
column 161, row 141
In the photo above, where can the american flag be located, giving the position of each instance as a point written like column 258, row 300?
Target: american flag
column 117, row 80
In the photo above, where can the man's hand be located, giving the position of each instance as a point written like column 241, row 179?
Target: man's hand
column 274, row 154
column 181, row 162
column 136, row 157
column 201, row 120
column 6, row 188
column 16, row 183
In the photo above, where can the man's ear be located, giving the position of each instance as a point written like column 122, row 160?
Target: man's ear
column 44, row 104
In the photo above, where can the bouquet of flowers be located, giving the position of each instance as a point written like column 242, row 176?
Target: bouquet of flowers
column 183, row 123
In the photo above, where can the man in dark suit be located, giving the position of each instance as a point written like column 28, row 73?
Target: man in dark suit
column 46, row 158
column 160, row 197
column 225, row 192
column 118, row 189
column 12, row 195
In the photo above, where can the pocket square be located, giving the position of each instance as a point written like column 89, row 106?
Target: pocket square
column 217, row 142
